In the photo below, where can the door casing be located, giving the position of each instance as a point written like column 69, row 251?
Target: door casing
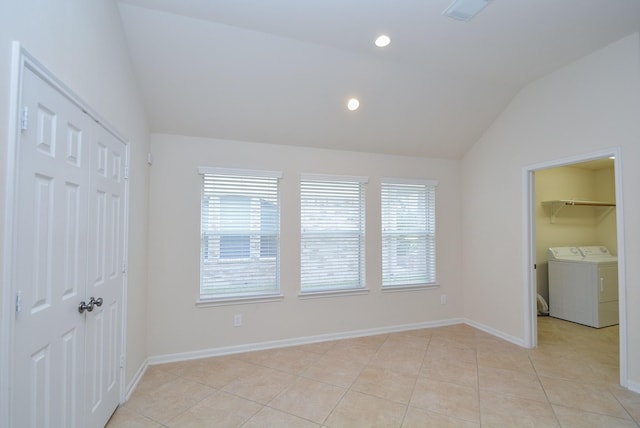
column 529, row 249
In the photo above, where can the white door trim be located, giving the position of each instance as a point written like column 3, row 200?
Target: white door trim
column 6, row 296
column 529, row 250
column 20, row 60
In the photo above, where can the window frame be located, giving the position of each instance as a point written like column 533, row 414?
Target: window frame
column 309, row 237
column 216, row 184
column 427, row 234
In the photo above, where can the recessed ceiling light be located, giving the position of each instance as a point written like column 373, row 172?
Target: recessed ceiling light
column 383, row 41
column 353, row 104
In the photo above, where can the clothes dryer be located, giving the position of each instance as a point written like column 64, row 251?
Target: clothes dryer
column 583, row 285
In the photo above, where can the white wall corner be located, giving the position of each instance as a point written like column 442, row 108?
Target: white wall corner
column 497, row 333
column 131, row 386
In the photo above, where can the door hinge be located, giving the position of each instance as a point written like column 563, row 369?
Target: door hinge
column 18, row 302
column 24, row 118
column 124, row 266
column 121, row 361
column 126, row 172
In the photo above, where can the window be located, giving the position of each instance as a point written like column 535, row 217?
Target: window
column 240, row 233
column 332, row 233
column 408, row 232
column 235, row 219
column 269, row 225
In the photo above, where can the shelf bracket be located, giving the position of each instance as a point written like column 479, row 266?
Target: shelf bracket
column 555, row 209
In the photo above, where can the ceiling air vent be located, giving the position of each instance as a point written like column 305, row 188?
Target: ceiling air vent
column 464, row 10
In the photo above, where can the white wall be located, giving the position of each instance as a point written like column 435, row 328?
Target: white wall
column 177, row 326
column 82, row 43
column 590, row 105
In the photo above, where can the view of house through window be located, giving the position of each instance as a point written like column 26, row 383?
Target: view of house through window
column 240, row 233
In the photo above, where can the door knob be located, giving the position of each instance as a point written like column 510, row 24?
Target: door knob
column 89, row 306
column 85, row 306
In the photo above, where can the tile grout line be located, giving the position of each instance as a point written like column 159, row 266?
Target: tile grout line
column 475, row 351
column 415, row 383
column 535, row 369
column 348, row 389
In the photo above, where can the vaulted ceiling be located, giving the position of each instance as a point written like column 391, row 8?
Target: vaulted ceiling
column 281, row 71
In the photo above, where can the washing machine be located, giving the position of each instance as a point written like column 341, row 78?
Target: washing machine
column 583, row 285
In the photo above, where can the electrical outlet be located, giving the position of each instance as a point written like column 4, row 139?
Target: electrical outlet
column 443, row 299
column 237, row 320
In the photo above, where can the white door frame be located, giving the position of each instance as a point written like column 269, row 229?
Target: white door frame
column 529, row 248
column 20, row 60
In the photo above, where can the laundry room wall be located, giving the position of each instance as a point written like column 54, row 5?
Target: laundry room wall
column 572, row 225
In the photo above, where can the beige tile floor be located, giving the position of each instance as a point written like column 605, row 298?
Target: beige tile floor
column 453, row 376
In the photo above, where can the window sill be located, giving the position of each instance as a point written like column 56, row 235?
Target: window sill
column 417, row 287
column 205, row 303
column 332, row 293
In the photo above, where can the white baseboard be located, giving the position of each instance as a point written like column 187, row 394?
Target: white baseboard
column 633, row 386
column 227, row 350
column 492, row 331
column 136, row 379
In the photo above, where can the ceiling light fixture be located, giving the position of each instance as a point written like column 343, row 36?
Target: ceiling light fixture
column 464, row 10
column 382, row 41
column 353, row 104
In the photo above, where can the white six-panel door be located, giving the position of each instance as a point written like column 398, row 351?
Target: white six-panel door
column 105, row 276
column 69, row 240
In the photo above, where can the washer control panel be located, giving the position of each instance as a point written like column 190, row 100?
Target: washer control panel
column 594, row 251
column 564, row 253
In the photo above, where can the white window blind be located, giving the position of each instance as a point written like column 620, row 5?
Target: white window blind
column 332, row 235
column 240, row 233
column 408, row 232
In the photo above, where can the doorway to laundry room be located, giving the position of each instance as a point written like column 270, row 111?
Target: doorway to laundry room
column 574, row 210
column 575, row 239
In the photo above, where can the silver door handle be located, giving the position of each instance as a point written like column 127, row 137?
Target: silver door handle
column 85, row 306
column 89, row 306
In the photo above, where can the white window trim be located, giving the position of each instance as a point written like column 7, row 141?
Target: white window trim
column 332, row 292
column 412, row 287
column 237, row 171
column 330, row 177
column 396, row 180
column 409, row 287
column 223, row 300
column 303, row 295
